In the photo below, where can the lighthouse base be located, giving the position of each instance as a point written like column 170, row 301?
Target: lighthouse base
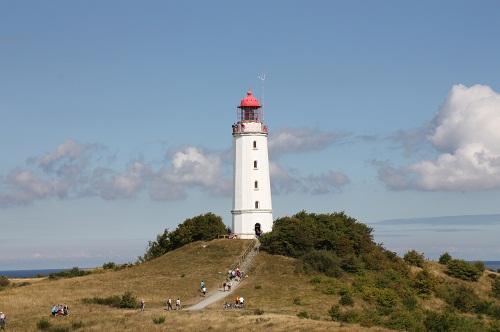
column 249, row 224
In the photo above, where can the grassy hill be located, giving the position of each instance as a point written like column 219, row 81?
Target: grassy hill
column 317, row 273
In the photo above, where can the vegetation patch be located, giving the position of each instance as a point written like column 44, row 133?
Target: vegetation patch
column 414, row 258
column 159, row 320
column 74, row 272
column 126, row 301
column 463, row 270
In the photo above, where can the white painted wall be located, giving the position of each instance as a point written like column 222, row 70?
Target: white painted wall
column 245, row 215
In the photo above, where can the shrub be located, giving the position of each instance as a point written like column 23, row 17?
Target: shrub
column 258, row 287
column 335, row 313
column 43, row 324
column 423, row 283
column 346, row 299
column 126, row 301
column 414, row 258
column 322, row 261
column 445, row 258
column 159, row 320
column 258, row 312
column 449, row 321
column 74, row 272
column 4, row 281
column 495, row 288
column 297, row 301
column 109, row 266
column 464, row 270
column 205, row 227
column 410, row 302
column 303, row 314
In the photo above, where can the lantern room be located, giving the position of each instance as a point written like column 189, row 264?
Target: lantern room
column 250, row 109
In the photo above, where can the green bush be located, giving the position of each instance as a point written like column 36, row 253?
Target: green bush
column 297, row 301
column 410, row 302
column 126, row 301
column 315, row 280
column 109, row 266
column 445, row 258
column 423, row 284
column 204, row 227
column 414, row 258
column 74, row 272
column 495, row 288
column 346, row 299
column 159, row 320
column 461, row 269
column 322, row 261
column 335, row 313
column 449, row 321
column 4, row 281
column 43, row 324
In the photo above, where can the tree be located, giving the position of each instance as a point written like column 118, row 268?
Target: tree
column 495, row 288
column 415, row 258
column 445, row 258
column 464, row 270
column 204, row 227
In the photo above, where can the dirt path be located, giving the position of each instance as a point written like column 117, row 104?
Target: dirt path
column 219, row 294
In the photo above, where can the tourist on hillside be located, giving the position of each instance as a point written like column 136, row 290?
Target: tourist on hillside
column 224, row 286
column 65, row 310
column 169, row 304
column 202, row 284
column 143, row 304
column 54, row 310
column 229, row 284
column 242, row 302
column 238, row 273
column 178, row 304
column 3, row 321
column 204, row 291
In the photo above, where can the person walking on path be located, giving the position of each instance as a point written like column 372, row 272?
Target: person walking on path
column 169, row 304
column 178, row 304
column 143, row 305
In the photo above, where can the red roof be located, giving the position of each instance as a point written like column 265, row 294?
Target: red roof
column 249, row 101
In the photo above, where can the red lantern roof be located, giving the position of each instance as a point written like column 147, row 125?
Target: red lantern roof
column 249, row 101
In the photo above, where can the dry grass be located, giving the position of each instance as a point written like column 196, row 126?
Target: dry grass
column 176, row 274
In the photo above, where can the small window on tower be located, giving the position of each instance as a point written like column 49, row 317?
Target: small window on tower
column 255, row 144
column 256, row 184
column 256, row 204
column 255, row 164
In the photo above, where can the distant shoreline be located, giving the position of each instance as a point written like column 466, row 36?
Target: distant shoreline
column 494, row 265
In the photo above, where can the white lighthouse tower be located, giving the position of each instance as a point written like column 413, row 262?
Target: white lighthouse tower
column 252, row 208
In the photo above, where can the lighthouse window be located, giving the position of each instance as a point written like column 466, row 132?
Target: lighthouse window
column 255, row 144
column 255, row 164
column 256, row 204
column 256, row 185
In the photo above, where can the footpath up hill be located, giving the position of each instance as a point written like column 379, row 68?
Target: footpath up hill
column 175, row 274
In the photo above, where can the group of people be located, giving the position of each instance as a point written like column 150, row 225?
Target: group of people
column 239, row 303
column 235, row 274
column 59, row 310
column 169, row 304
column 3, row 321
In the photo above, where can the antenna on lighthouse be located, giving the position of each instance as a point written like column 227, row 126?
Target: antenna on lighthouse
column 262, row 78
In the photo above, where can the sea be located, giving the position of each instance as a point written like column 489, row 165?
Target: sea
column 29, row 273
column 494, row 265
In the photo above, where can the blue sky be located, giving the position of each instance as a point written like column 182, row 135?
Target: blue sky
column 386, row 110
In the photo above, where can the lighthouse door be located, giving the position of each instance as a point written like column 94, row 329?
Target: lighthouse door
column 258, row 231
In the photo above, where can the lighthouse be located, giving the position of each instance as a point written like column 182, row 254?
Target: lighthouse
column 252, row 207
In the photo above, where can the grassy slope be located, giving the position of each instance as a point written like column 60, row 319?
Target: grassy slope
column 153, row 281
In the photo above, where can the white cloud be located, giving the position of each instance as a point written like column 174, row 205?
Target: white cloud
column 297, row 140
column 284, row 181
column 466, row 133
